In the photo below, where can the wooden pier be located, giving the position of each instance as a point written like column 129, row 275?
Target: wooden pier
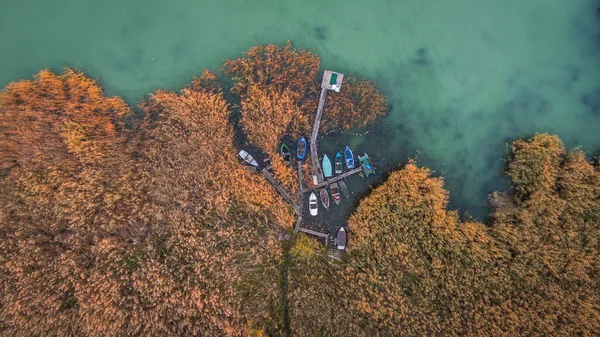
column 331, row 81
column 315, row 233
column 314, row 154
column 281, row 191
column 332, row 180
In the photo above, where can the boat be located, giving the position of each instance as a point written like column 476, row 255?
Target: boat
column 313, row 207
column 285, row 153
column 366, row 164
column 335, row 193
column 340, row 239
column 349, row 158
column 324, row 198
column 339, row 165
column 301, row 149
column 248, row 158
column 344, row 188
column 326, row 167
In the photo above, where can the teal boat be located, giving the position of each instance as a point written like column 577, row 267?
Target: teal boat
column 339, row 163
column 327, row 167
column 367, row 166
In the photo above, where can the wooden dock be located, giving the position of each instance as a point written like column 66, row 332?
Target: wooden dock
column 319, row 234
column 281, row 191
column 314, row 154
column 332, row 180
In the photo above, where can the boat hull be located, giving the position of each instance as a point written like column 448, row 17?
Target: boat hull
column 344, row 189
column 313, row 206
column 335, row 193
column 349, row 158
column 339, row 163
column 367, row 166
column 286, row 154
column 340, row 239
column 327, row 167
column 301, row 149
column 324, row 198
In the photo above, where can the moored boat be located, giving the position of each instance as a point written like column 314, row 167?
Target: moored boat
column 313, row 207
column 340, row 239
column 367, row 166
column 324, row 198
column 339, row 165
column 326, row 167
column 247, row 157
column 344, row 188
column 349, row 158
column 301, row 149
column 285, row 153
column 335, row 193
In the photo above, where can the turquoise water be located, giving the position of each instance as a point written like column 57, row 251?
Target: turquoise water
column 463, row 76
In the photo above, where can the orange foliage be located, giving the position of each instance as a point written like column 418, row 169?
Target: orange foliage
column 413, row 269
column 165, row 235
column 358, row 104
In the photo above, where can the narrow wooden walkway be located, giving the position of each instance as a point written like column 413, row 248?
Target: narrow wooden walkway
column 314, row 155
column 319, row 234
column 332, row 180
column 281, row 191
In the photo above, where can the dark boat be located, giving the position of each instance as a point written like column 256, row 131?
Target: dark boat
column 335, row 193
column 344, row 188
column 286, row 154
column 340, row 239
column 301, row 149
column 349, row 158
column 339, row 165
column 324, row 198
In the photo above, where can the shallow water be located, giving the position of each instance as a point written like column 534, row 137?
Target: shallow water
column 463, row 76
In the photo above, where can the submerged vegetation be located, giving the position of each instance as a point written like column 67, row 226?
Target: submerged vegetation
column 112, row 225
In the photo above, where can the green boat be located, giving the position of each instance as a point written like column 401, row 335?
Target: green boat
column 327, row 167
column 367, row 166
column 339, row 162
column 286, row 153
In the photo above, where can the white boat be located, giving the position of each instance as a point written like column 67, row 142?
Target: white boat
column 248, row 158
column 313, row 207
column 340, row 240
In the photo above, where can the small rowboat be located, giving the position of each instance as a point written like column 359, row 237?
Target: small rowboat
column 344, row 189
column 301, row 149
column 312, row 204
column 367, row 166
column 340, row 239
column 286, row 154
column 339, row 166
column 349, row 158
column 326, row 167
column 247, row 157
column 335, row 193
column 324, row 198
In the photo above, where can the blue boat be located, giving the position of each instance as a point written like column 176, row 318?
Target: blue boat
column 349, row 158
column 327, row 167
column 301, row 149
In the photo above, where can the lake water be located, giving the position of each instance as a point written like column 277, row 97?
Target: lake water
column 464, row 77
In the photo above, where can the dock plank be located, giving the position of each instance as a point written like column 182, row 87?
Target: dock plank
column 332, row 180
